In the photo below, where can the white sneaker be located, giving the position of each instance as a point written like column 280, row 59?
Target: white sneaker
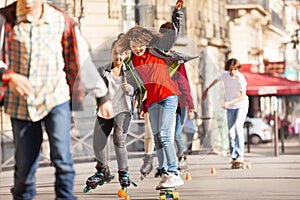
column 169, row 180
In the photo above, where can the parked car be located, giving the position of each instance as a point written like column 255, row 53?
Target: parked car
column 259, row 130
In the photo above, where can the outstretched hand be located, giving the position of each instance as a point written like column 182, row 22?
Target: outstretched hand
column 179, row 4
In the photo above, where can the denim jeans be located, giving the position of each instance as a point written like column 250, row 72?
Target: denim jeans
column 28, row 137
column 181, row 116
column 162, row 115
column 235, row 120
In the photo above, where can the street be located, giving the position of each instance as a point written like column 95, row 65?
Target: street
column 269, row 177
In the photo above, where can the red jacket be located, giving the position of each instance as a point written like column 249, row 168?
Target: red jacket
column 154, row 72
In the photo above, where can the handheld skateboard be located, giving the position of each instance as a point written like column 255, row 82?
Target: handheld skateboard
column 168, row 193
column 240, row 165
column 94, row 185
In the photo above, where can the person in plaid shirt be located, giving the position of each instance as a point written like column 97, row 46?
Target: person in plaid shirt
column 41, row 54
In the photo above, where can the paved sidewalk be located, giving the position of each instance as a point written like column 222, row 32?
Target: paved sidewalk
column 269, row 178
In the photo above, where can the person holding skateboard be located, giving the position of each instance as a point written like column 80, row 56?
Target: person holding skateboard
column 236, row 104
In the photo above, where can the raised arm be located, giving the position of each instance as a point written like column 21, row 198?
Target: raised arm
column 167, row 41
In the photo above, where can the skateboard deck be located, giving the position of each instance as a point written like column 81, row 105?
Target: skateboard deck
column 168, row 193
column 240, row 165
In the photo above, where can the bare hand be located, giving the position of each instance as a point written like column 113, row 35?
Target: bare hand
column 204, row 95
column 142, row 114
column 179, row 4
column 106, row 110
column 20, row 85
column 125, row 87
column 226, row 105
column 191, row 114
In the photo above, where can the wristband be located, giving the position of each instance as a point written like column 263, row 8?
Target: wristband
column 7, row 76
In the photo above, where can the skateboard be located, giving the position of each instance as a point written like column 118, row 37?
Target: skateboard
column 93, row 186
column 168, row 193
column 240, row 165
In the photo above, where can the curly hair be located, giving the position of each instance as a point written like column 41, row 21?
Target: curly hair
column 139, row 35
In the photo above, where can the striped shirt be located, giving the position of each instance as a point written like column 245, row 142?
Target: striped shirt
column 35, row 50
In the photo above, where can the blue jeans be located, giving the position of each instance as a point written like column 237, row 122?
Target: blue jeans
column 181, row 116
column 28, row 137
column 235, row 120
column 162, row 115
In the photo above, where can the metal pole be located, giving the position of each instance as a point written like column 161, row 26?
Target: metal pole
column 137, row 11
column 275, row 106
column 282, row 136
column 248, row 135
column 276, row 133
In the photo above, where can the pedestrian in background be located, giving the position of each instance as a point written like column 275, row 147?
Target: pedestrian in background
column 236, row 103
column 41, row 56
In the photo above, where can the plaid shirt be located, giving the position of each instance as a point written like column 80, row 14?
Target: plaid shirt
column 35, row 50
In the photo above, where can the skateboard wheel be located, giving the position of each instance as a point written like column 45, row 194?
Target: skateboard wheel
column 162, row 197
column 127, row 198
column 86, row 189
column 175, row 195
column 121, row 193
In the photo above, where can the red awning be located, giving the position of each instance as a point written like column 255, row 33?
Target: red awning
column 260, row 84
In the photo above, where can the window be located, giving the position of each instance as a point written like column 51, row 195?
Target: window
column 137, row 12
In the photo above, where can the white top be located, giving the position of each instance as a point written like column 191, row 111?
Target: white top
column 120, row 101
column 233, row 87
